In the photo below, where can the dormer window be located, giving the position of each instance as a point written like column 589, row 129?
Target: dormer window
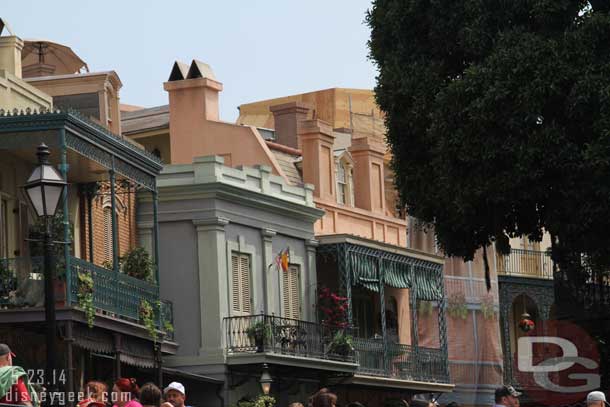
column 341, row 184
column 344, row 180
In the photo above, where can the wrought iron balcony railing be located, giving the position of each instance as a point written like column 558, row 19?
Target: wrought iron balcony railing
column 116, row 294
column 270, row 334
column 525, row 263
column 401, row 361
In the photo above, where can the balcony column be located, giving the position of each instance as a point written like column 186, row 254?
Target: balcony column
column 384, row 334
column 213, row 286
column 90, row 195
column 442, row 326
column 311, row 281
column 155, row 202
column 66, row 215
column 115, row 243
column 269, row 300
column 345, row 283
column 414, row 329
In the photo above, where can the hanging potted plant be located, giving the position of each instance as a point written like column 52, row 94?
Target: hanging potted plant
column 147, row 317
column 341, row 345
column 526, row 323
column 259, row 333
column 456, row 306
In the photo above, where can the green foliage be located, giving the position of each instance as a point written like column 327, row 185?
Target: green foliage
column 487, row 307
column 341, row 344
column 264, row 401
column 147, row 317
column 137, row 263
column 85, row 296
column 259, row 330
column 498, row 119
column 456, row 306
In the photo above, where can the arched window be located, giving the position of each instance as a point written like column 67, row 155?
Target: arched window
column 344, row 179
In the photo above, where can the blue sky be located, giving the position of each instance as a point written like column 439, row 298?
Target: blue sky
column 258, row 49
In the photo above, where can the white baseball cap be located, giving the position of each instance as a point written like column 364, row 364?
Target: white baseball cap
column 596, row 396
column 175, row 386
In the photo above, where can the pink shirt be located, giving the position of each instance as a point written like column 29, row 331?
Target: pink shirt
column 130, row 403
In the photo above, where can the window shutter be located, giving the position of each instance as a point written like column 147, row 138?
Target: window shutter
column 245, row 297
column 235, row 282
column 108, row 257
column 291, row 293
column 240, row 283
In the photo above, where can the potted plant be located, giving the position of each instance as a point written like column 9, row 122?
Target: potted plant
column 137, row 263
column 341, row 344
column 85, row 296
column 259, row 332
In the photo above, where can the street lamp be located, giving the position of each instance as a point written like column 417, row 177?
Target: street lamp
column 266, row 380
column 44, row 188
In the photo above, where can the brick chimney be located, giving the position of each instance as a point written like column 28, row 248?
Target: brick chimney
column 369, row 191
column 287, row 117
column 10, row 54
column 193, row 100
column 317, row 141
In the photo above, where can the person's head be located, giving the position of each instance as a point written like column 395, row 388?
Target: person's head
column 150, row 395
column 596, row 399
column 175, row 394
column 326, row 399
column 6, row 356
column 97, row 391
column 124, row 390
column 507, row 396
column 295, row 404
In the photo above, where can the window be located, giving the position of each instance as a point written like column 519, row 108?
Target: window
column 108, row 255
column 291, row 301
column 241, row 296
column 341, row 183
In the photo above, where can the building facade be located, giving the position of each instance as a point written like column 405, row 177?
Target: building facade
column 101, row 329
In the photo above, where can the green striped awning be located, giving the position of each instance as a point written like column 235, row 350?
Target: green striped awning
column 368, row 266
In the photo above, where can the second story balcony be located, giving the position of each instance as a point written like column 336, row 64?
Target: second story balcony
column 525, row 263
column 116, row 296
column 254, row 337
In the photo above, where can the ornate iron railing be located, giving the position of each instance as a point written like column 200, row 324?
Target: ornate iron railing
column 400, row 361
column 270, row 334
column 116, row 294
column 525, row 263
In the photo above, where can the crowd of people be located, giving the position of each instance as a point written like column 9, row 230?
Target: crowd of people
column 16, row 389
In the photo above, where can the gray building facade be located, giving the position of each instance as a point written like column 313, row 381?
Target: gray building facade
column 222, row 231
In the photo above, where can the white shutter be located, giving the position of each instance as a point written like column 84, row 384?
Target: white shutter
column 291, row 294
column 244, row 271
column 240, row 283
column 108, row 255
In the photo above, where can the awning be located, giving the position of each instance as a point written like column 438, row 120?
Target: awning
column 369, row 266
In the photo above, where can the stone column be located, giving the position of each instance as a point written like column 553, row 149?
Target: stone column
column 310, row 282
column 270, row 295
column 213, row 286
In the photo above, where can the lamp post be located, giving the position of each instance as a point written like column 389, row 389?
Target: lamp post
column 266, row 380
column 44, row 188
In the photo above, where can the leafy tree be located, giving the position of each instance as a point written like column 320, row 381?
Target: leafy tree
column 498, row 118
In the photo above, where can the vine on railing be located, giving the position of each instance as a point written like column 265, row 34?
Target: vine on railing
column 85, row 296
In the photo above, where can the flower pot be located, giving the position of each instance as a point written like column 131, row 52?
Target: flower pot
column 59, row 289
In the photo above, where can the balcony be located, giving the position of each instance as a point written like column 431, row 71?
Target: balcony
column 270, row 335
column 115, row 295
column 525, row 263
column 403, row 362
